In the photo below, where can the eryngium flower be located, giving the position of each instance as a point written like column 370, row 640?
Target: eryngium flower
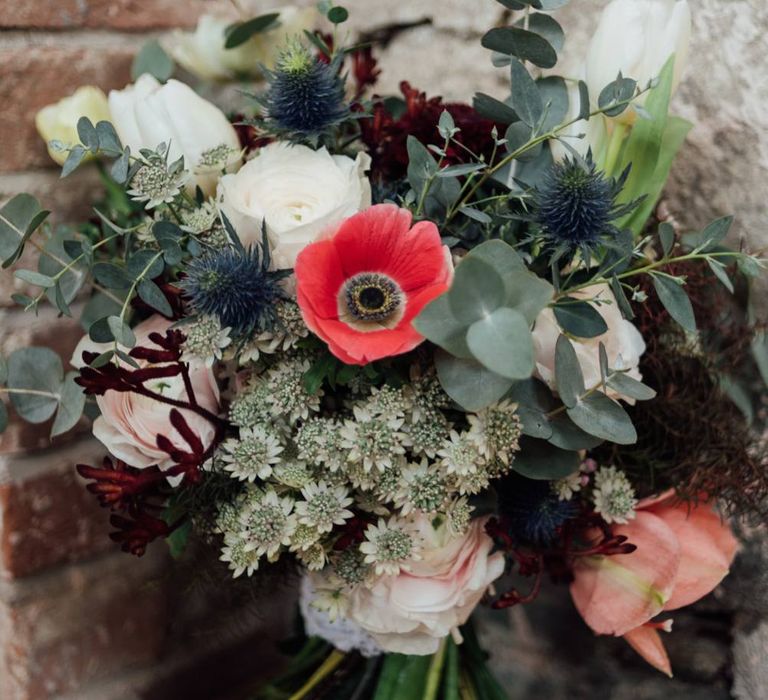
column 305, row 96
column 236, row 286
column 532, row 509
column 575, row 206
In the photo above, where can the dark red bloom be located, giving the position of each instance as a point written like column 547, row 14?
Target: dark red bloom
column 118, row 485
column 385, row 136
column 135, row 532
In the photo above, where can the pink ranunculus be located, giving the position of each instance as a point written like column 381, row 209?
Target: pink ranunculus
column 683, row 552
column 411, row 612
column 129, row 423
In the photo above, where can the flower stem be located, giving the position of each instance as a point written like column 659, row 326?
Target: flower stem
column 435, row 672
column 615, row 144
column 326, row 668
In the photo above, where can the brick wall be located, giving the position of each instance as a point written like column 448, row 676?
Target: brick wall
column 79, row 619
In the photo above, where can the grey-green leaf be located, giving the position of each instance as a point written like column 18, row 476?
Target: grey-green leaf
column 630, row 387
column 152, row 59
column 71, row 405
column 579, row 318
column 121, row 331
column 477, row 290
column 675, row 301
column 604, row 418
column 437, row 323
column 468, row 383
column 568, row 376
column 525, row 97
column 152, row 295
column 38, row 370
column 502, row 342
column 538, row 459
column 526, row 45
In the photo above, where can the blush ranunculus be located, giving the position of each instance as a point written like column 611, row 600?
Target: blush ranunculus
column 411, row 612
column 360, row 288
column 129, row 423
column 683, row 552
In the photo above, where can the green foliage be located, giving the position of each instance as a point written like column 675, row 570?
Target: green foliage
column 675, row 300
column 19, row 219
column 525, row 45
column 538, row 459
column 241, row 32
column 152, row 59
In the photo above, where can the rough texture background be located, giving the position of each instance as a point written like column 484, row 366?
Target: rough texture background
column 79, row 620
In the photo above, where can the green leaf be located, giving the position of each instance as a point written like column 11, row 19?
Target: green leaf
column 121, row 166
column 152, row 59
column 338, row 15
column 579, row 318
column 554, row 95
column 37, row 370
column 153, row 296
column 584, row 104
column 421, row 165
column 527, row 293
column 97, row 307
column 715, row 232
column 144, row 263
column 437, row 323
column 461, row 169
column 502, row 342
column 35, row 278
column 71, row 405
column 3, row 370
column 87, row 134
column 111, row 276
column 602, row 417
column 499, row 255
column 538, row 459
column 109, row 141
column 631, row 387
column 477, row 290
column 739, row 395
column 71, row 281
column 618, row 91
column 100, row 332
column 546, row 26
column 667, row 237
column 675, row 301
column 19, row 218
column 718, row 270
column 527, row 46
column 121, row 331
column 494, row 109
column 468, row 383
column 566, row 435
column 568, row 376
column 239, row 33
column 621, row 299
column 525, row 97
column 75, row 157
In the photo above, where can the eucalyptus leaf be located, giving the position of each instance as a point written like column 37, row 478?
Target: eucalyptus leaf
column 568, row 375
column 502, row 342
column 35, row 278
column 719, row 271
column 121, row 331
column 468, row 383
column 3, row 370
column 73, row 160
column 109, row 141
column 153, row 296
column 111, row 276
column 525, row 97
column 477, row 290
column 566, row 435
column 526, row 45
column 675, row 301
column 87, row 134
column 667, row 237
column 152, row 59
column 630, row 387
column 527, row 293
column 538, row 459
column 437, row 323
column 19, row 217
column 579, row 318
column 616, row 93
column 239, row 33
column 38, row 370
column 494, row 109
column 3, row 417
column 546, row 26
column 421, row 165
column 715, row 232
column 499, row 255
column 71, row 405
column 602, row 417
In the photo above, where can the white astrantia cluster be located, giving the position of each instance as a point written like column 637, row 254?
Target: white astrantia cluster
column 613, row 495
column 205, row 340
column 358, row 466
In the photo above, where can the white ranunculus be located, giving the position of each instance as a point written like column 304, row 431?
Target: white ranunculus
column 58, row 121
column 411, row 612
column 203, row 54
column 146, row 114
column 297, row 192
column 637, row 37
column 623, row 343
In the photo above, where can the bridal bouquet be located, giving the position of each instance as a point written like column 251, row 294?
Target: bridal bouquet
column 431, row 355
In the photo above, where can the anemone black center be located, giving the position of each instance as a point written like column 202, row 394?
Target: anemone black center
column 370, row 296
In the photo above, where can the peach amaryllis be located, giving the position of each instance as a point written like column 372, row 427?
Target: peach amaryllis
column 360, row 288
column 683, row 552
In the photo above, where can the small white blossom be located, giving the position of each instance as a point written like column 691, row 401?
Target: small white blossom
column 313, row 557
column 373, row 440
column 205, row 340
column 324, row 506
column 567, row 486
column 459, row 516
column 613, row 495
column 268, row 523
column 288, row 395
column 496, row 431
column 253, row 454
column 460, row 454
column 390, row 546
column 422, row 487
column 240, row 559
column 155, row 184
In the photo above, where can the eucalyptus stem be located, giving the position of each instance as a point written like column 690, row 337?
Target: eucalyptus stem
column 30, row 392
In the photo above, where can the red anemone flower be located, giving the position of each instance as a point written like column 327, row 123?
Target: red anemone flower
column 360, row 288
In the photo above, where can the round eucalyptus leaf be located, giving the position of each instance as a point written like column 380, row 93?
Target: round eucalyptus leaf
column 468, row 383
column 604, row 418
column 437, row 323
column 477, row 290
column 502, row 342
column 36, row 370
column 71, row 405
column 538, row 459
column 579, row 318
column 568, row 376
column 568, row 436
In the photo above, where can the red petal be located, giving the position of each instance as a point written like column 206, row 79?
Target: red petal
column 646, row 641
column 319, row 276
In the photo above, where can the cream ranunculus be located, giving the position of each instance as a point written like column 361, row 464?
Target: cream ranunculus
column 411, row 612
column 146, row 114
column 203, row 54
column 637, row 37
column 129, row 423
column 58, row 121
column 623, row 343
column 297, row 192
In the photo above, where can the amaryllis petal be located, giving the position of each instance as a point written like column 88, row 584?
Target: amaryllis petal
column 617, row 593
column 646, row 641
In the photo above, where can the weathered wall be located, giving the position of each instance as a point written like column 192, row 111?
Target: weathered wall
column 66, row 625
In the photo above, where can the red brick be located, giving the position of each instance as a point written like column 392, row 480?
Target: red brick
column 47, row 516
column 128, row 15
column 80, row 624
column 32, row 76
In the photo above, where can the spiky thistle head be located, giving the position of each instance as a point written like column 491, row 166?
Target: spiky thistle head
column 235, row 285
column 532, row 509
column 305, row 96
column 575, row 207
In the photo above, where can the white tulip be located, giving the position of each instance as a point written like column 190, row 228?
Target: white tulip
column 203, row 54
column 298, row 193
column 637, row 37
column 146, row 114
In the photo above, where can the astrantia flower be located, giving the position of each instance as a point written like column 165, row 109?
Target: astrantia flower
column 318, row 441
column 496, row 431
column 460, row 454
column 360, row 289
column 532, row 510
column 253, row 454
column 575, row 206
column 305, row 96
column 324, row 506
column 372, row 440
column 613, row 495
column 240, row 560
column 428, row 434
column 155, row 183
column 390, row 546
column 422, row 487
column 236, row 286
column 350, row 566
column 205, row 340
column 287, row 392
column 268, row 523
column 252, row 406
column 294, row 473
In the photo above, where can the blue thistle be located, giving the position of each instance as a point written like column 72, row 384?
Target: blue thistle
column 235, row 285
column 532, row 510
column 575, row 207
column 306, row 96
